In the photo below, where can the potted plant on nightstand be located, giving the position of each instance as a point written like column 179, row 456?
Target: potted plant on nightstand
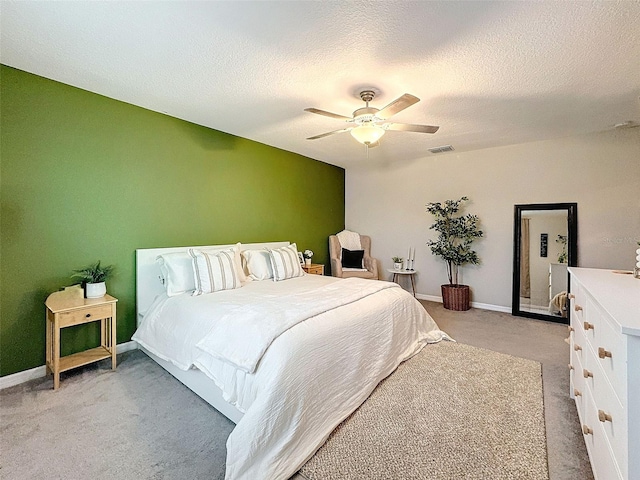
column 456, row 233
column 93, row 279
column 397, row 263
column 308, row 255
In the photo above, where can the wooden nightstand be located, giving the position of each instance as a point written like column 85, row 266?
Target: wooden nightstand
column 314, row 269
column 69, row 308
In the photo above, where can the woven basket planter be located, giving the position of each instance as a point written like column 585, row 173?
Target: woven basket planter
column 455, row 297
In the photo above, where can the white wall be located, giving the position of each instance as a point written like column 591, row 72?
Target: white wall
column 601, row 172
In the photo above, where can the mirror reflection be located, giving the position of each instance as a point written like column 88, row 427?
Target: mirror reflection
column 544, row 239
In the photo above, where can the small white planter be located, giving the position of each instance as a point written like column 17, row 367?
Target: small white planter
column 307, row 262
column 96, row 290
column 397, row 266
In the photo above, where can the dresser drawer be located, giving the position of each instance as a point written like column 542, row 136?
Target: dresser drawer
column 577, row 314
column 577, row 383
column 578, row 298
column 84, row 315
column 605, row 466
column 609, row 348
column 579, row 342
column 610, row 412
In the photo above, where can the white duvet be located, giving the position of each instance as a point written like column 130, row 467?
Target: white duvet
column 314, row 371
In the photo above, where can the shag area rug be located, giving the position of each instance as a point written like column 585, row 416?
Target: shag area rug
column 451, row 412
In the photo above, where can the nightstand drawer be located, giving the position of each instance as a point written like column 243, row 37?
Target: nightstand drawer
column 314, row 269
column 84, row 315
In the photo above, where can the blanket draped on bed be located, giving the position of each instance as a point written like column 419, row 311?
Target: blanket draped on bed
column 316, row 346
column 242, row 335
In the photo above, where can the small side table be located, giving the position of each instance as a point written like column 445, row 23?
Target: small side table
column 69, row 308
column 398, row 273
column 314, row 269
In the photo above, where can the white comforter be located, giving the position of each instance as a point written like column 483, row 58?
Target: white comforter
column 311, row 376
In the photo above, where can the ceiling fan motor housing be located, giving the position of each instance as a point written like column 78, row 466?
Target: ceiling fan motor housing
column 365, row 115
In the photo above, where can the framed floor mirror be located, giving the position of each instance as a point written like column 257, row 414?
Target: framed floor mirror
column 545, row 243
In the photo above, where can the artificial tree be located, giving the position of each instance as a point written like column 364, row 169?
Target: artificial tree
column 456, row 233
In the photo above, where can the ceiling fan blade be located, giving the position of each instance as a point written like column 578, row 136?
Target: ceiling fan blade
column 330, row 133
column 327, row 114
column 399, row 104
column 407, row 127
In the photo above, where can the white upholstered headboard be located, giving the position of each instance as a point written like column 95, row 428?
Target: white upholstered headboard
column 148, row 276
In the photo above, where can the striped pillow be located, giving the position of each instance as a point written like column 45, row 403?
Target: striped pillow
column 214, row 271
column 285, row 262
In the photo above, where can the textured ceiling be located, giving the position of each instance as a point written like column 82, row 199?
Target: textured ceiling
column 489, row 73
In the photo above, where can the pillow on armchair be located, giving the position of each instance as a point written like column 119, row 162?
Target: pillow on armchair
column 352, row 258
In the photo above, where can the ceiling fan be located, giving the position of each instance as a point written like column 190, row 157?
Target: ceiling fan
column 369, row 124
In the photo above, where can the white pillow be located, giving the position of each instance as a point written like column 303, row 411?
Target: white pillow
column 258, row 264
column 177, row 271
column 214, row 270
column 237, row 259
column 285, row 263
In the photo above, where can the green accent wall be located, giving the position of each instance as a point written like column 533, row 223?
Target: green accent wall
column 86, row 178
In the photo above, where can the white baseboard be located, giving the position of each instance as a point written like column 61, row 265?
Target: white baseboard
column 488, row 306
column 38, row 372
column 429, row 298
column 21, row 377
column 483, row 306
column 126, row 346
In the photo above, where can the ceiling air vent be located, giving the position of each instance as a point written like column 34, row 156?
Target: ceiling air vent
column 444, row 148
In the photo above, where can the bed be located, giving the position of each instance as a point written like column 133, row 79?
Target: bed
column 285, row 360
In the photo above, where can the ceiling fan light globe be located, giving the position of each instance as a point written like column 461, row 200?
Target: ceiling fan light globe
column 367, row 134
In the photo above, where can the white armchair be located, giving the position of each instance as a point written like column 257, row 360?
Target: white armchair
column 370, row 264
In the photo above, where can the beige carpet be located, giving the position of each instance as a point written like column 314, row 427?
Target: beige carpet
column 451, row 412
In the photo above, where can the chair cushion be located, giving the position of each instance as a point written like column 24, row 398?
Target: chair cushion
column 352, row 258
column 358, row 274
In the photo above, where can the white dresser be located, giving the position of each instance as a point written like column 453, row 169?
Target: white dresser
column 605, row 369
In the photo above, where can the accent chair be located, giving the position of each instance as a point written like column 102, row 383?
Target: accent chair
column 369, row 264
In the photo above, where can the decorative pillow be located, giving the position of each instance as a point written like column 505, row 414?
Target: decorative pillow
column 352, row 258
column 285, row 263
column 177, row 272
column 258, row 264
column 237, row 258
column 214, row 270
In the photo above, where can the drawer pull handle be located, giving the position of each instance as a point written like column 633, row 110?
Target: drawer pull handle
column 88, row 315
column 577, row 308
column 604, row 417
column 602, row 353
column 571, row 329
column 588, row 326
column 570, row 367
column 577, row 347
column 586, row 373
column 586, row 430
column 576, row 392
column 571, row 296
